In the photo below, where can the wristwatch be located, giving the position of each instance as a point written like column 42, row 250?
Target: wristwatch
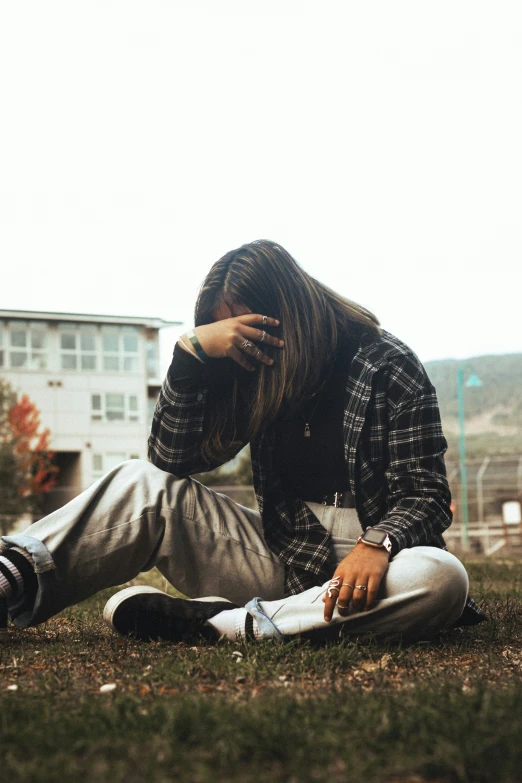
column 378, row 538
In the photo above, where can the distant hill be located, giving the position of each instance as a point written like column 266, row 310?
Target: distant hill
column 493, row 411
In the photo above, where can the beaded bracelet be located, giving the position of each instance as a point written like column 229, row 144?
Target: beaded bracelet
column 197, row 346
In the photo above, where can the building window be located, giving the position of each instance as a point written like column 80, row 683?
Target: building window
column 102, row 463
column 130, row 349
column 78, row 347
column 115, row 407
column 152, row 358
column 96, row 407
column 133, row 407
column 24, row 346
column 120, row 349
column 111, row 349
column 151, row 407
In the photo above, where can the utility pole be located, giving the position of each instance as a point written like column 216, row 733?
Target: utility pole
column 473, row 380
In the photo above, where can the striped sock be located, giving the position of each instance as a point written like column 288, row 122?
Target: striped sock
column 17, row 575
column 11, row 580
column 17, row 578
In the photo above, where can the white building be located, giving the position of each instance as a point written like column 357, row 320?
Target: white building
column 95, row 380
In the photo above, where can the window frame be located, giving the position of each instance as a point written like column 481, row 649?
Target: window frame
column 36, row 359
column 121, row 354
column 130, row 415
column 103, row 457
column 77, row 330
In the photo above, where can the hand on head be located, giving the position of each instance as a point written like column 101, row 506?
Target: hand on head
column 239, row 338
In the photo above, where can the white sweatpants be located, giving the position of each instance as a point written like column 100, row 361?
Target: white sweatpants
column 137, row 517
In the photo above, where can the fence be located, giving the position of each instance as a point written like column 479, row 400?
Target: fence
column 492, row 482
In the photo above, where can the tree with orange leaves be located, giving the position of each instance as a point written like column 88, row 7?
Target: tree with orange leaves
column 27, row 472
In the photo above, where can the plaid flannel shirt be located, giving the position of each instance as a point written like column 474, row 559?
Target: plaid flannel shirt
column 394, row 453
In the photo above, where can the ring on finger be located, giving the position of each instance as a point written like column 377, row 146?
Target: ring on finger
column 347, row 584
column 246, row 344
column 257, row 354
column 263, row 337
column 361, row 587
column 342, row 606
column 334, row 585
column 265, row 320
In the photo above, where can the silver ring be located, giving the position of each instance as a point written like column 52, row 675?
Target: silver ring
column 361, row 587
column 263, row 337
column 347, row 584
column 246, row 345
column 265, row 320
column 257, row 354
column 334, row 585
column 341, row 606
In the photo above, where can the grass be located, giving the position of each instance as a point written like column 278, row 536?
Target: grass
column 448, row 711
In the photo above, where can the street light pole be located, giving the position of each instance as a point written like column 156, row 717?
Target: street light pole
column 463, row 468
column 473, row 380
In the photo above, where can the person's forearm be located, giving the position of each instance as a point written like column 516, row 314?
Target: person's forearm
column 185, row 368
column 177, row 429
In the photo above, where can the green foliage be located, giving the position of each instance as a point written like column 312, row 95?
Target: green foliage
column 496, row 404
column 449, row 710
column 417, row 736
column 26, row 470
column 236, row 472
column 11, row 502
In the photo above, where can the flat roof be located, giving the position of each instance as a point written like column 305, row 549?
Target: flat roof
column 124, row 320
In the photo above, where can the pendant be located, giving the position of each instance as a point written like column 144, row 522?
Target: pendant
column 307, row 430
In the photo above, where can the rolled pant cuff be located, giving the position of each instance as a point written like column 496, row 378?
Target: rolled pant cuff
column 24, row 612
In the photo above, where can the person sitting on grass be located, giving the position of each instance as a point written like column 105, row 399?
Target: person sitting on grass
column 348, row 468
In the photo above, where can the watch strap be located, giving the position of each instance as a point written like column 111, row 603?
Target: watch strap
column 386, row 544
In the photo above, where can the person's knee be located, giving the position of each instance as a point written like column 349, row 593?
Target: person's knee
column 444, row 581
column 147, row 482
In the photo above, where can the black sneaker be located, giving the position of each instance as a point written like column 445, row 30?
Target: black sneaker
column 149, row 614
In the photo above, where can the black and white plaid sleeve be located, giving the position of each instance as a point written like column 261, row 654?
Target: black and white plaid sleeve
column 179, row 418
column 418, row 491
column 177, row 430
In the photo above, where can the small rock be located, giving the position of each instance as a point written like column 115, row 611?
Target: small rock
column 108, row 687
column 237, row 654
column 240, row 679
column 12, row 687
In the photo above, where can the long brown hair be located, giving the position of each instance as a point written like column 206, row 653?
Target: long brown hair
column 264, row 277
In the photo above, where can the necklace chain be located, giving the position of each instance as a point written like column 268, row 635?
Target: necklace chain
column 307, row 433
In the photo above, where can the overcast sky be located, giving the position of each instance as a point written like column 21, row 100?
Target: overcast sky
column 379, row 142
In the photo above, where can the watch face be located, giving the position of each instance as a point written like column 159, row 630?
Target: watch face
column 374, row 536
